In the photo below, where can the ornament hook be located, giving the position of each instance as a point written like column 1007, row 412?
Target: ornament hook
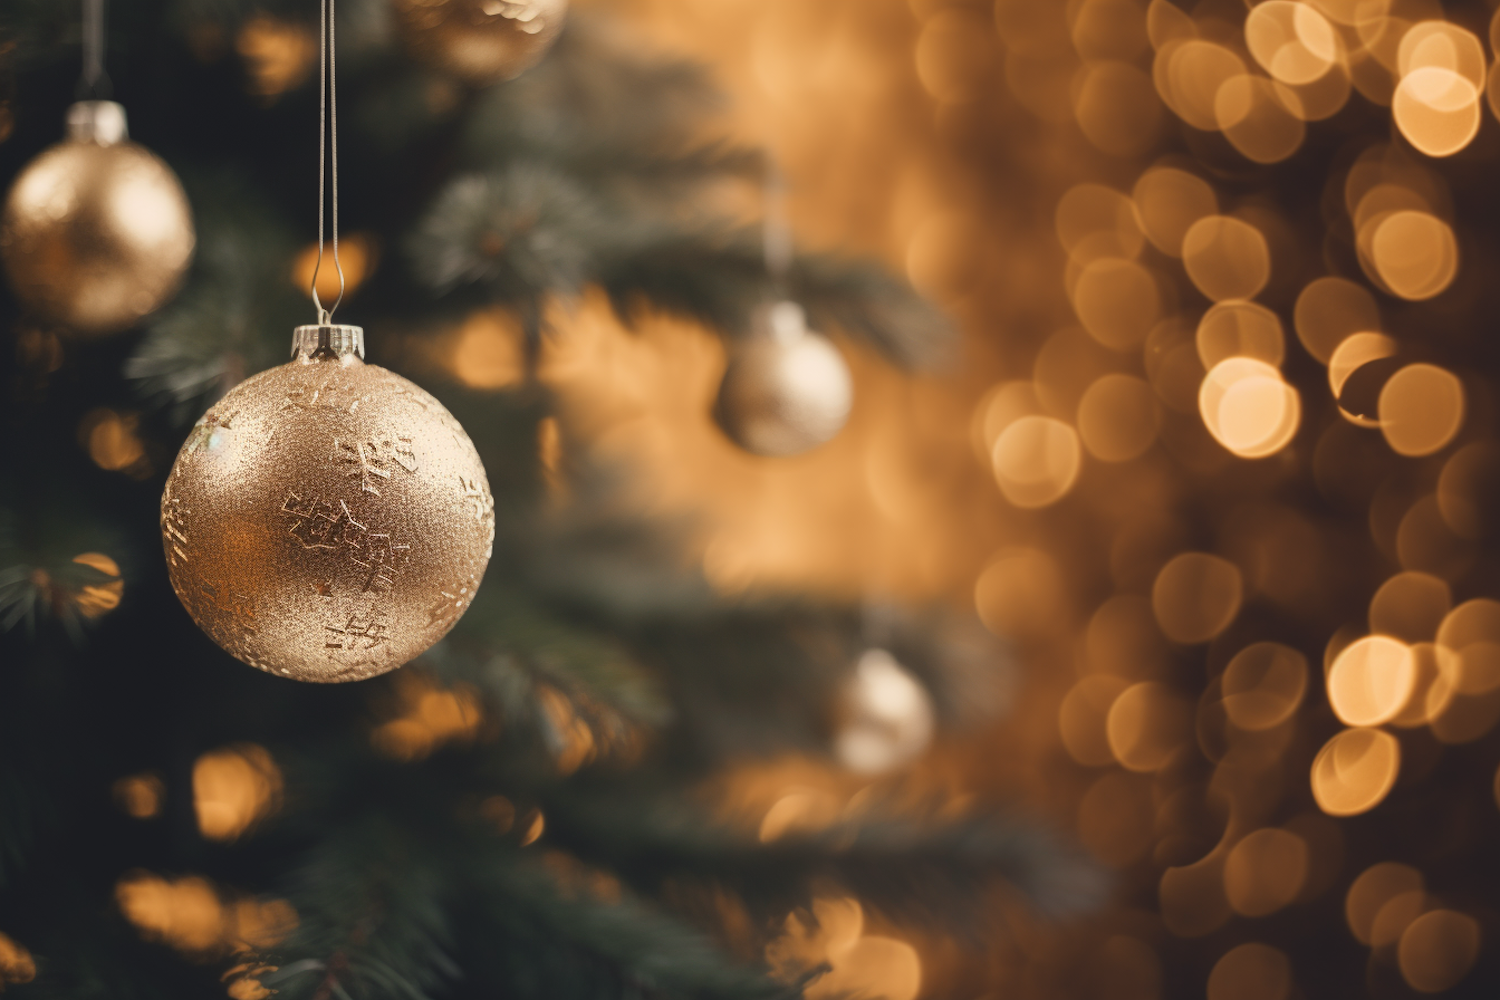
column 328, row 141
column 777, row 235
column 93, row 83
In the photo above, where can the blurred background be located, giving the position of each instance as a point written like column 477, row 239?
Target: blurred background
column 1205, row 484
column 1216, row 454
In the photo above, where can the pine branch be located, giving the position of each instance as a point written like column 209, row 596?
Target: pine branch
column 372, row 916
column 561, row 940
column 924, row 873
column 509, row 647
column 234, row 315
column 526, row 229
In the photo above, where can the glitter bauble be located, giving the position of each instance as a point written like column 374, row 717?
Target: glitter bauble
column 786, row 389
column 97, row 231
column 327, row 520
column 482, row 41
column 887, row 716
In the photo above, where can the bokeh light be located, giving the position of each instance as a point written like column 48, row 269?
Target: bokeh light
column 1263, row 685
column 1169, row 201
column 1414, row 252
column 1117, row 302
column 1265, row 871
column 1196, row 596
column 1355, row 771
column 1248, row 407
column 140, row 795
column 1118, row 418
column 858, row 963
column 234, row 788
column 1438, row 949
column 1226, row 258
column 1251, row 971
column 1240, row 329
column 1145, row 726
column 16, row 963
column 1036, row 461
column 1371, row 680
column 1329, row 311
column 1421, row 409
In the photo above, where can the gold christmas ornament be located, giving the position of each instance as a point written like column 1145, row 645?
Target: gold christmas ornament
column 327, row 520
column 888, row 717
column 96, row 231
column 482, row 41
column 786, row 389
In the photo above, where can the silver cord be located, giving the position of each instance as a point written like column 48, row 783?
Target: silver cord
column 328, row 135
column 778, row 231
column 93, row 51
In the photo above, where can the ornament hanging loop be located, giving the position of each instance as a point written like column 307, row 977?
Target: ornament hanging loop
column 777, row 234
column 328, row 142
column 93, row 82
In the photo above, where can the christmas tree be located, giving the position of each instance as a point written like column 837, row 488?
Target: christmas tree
column 559, row 798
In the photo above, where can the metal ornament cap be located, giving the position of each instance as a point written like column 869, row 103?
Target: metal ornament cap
column 100, row 122
column 327, row 520
column 319, row 339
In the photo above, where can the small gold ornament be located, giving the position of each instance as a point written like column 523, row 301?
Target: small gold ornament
column 786, row 389
column 888, row 716
column 97, row 231
column 327, row 520
column 482, row 41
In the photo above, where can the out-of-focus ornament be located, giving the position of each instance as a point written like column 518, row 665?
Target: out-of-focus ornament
column 482, row 41
column 327, row 520
column 786, row 389
column 96, row 231
column 887, row 716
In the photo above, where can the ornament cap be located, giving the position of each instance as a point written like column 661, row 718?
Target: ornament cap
column 785, row 321
column 326, row 340
column 99, row 122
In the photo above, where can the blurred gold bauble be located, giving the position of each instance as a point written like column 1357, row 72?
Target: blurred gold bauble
column 482, row 41
column 887, row 716
column 97, row 231
column 327, row 520
column 786, row 389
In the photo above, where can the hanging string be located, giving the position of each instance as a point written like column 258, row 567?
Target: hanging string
column 94, row 83
column 328, row 141
column 778, row 231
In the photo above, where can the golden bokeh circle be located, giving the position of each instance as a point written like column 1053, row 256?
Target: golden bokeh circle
column 1265, row 871
column 1421, row 409
column 1329, row 310
column 1414, row 252
column 1118, row 418
column 1036, row 461
column 1226, row 258
column 1263, row 685
column 1196, row 595
column 1248, row 407
column 1371, row 890
column 1169, row 201
column 1146, row 725
column 1355, row 771
column 1438, row 949
column 1251, row 971
column 1371, row 680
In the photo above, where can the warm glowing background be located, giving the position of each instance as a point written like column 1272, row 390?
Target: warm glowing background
column 1215, row 451
column 1194, row 455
